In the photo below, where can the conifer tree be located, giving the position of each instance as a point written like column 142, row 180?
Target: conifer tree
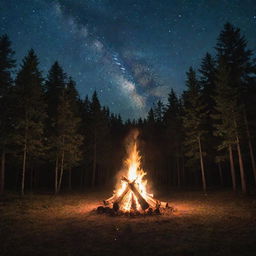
column 98, row 137
column 228, row 118
column 159, row 111
column 7, row 63
column 75, row 152
column 30, row 111
column 67, row 138
column 85, row 132
column 151, row 117
column 193, row 121
column 95, row 111
column 173, row 122
column 207, row 82
column 232, row 50
column 55, row 86
column 207, row 79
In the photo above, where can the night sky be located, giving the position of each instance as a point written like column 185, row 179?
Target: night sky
column 131, row 52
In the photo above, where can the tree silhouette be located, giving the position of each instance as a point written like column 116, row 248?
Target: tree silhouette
column 30, row 111
column 7, row 63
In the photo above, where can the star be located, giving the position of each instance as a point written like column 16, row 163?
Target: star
column 121, row 50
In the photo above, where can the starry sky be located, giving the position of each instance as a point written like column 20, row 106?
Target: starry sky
column 131, row 51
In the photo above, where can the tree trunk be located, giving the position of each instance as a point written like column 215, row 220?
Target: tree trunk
column 183, row 171
column 221, row 174
column 61, row 171
column 35, row 178
column 94, row 162
column 2, row 172
column 202, row 164
column 81, row 178
column 250, row 147
column 31, row 178
column 241, row 165
column 232, row 168
column 23, row 168
column 56, row 175
column 70, row 179
column 178, row 171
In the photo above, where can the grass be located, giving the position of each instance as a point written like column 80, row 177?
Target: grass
column 220, row 223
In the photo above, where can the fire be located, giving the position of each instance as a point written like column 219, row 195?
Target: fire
column 131, row 194
column 136, row 175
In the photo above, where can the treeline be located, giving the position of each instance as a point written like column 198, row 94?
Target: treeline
column 51, row 138
column 47, row 132
column 207, row 135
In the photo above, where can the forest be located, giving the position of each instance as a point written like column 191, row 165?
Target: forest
column 53, row 140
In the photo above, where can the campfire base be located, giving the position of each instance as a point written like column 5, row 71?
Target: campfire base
column 133, row 213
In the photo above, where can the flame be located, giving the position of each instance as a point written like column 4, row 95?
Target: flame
column 134, row 173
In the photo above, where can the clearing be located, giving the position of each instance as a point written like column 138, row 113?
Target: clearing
column 221, row 223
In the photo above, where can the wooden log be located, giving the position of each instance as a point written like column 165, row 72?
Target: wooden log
column 109, row 200
column 116, row 207
column 116, row 199
column 120, row 198
column 156, row 202
column 143, row 203
column 133, row 205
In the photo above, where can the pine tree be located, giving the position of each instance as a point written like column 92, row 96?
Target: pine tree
column 85, row 131
column 207, row 79
column 99, row 131
column 68, row 140
column 193, row 121
column 159, row 111
column 7, row 63
column 55, row 86
column 173, row 122
column 64, row 134
column 73, row 95
column 75, row 134
column 30, row 112
column 207, row 82
column 227, row 119
column 232, row 50
column 96, row 118
column 151, row 117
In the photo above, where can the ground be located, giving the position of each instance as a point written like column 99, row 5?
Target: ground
column 219, row 223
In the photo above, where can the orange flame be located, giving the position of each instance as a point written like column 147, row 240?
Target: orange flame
column 134, row 173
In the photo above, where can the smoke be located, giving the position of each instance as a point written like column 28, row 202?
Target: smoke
column 131, row 139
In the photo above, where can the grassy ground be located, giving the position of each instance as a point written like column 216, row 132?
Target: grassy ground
column 217, row 224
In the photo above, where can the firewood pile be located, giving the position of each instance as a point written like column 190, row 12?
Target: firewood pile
column 131, row 196
column 139, row 205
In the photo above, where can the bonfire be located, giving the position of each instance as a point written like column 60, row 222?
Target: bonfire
column 131, row 195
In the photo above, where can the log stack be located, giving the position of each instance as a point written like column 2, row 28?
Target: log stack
column 148, row 205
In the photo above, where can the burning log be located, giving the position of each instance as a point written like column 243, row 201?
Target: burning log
column 114, row 199
column 143, row 203
column 120, row 198
column 117, row 201
column 133, row 205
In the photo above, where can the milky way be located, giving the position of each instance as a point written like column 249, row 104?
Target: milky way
column 131, row 52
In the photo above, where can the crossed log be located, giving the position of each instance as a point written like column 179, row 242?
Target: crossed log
column 143, row 203
column 130, row 186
